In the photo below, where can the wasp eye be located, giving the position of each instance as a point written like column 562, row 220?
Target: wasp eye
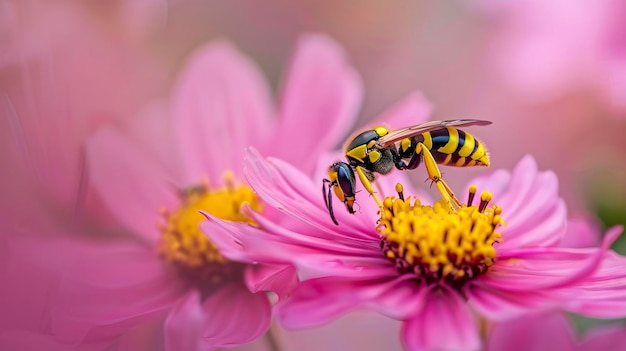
column 346, row 180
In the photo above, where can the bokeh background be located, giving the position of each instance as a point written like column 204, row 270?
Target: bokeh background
column 551, row 75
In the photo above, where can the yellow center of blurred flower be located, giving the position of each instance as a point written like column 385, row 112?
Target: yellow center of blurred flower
column 183, row 243
column 438, row 245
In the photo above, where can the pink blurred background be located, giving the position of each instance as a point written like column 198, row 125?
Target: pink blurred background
column 550, row 75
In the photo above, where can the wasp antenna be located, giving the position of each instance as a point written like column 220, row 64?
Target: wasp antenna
column 328, row 200
column 324, row 181
column 358, row 207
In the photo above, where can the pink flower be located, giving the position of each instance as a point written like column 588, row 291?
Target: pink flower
column 59, row 67
column 500, row 274
column 552, row 331
column 167, row 274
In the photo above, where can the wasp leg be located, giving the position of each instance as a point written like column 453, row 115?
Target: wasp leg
column 435, row 175
column 414, row 161
column 368, row 186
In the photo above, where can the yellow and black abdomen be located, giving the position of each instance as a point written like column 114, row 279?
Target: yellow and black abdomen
column 453, row 147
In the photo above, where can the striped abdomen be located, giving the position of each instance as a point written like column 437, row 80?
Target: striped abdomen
column 454, row 147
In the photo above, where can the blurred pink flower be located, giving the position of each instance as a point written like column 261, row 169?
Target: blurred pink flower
column 170, row 275
column 349, row 266
column 549, row 49
column 32, row 28
column 62, row 74
column 552, row 331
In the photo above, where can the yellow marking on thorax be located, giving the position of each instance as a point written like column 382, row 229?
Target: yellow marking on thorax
column 468, row 145
column 374, row 156
column 381, row 131
column 452, row 143
column 359, row 153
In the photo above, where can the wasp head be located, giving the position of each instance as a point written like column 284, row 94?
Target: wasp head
column 342, row 181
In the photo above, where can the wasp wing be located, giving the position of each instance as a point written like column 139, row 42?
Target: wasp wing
column 399, row 134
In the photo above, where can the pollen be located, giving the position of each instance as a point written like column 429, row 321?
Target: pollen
column 184, row 245
column 437, row 245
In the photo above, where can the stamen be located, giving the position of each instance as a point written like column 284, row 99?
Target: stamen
column 399, row 190
column 437, row 245
column 485, row 197
column 472, row 193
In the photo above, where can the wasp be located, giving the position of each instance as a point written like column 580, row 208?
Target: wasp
column 379, row 151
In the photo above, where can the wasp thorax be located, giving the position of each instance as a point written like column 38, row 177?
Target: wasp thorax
column 439, row 246
column 186, row 247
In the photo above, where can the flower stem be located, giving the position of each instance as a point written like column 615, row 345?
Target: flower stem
column 272, row 341
column 483, row 327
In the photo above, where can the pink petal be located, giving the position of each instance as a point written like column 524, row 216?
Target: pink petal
column 521, row 184
column 544, row 228
column 151, row 131
column 311, row 311
column 609, row 338
column 547, row 331
column 541, row 220
column 318, row 301
column 545, row 277
column 236, row 316
column 132, row 185
column 320, row 100
column 108, row 289
column 603, row 294
column 147, row 336
column 313, row 256
column 510, row 189
column 582, row 231
column 27, row 287
column 185, row 324
column 23, row 340
column 281, row 279
column 496, row 182
column 496, row 305
column 444, row 323
column 221, row 106
column 534, row 213
column 412, row 110
column 546, row 268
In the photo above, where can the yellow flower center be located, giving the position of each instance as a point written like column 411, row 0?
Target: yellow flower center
column 438, row 245
column 183, row 243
